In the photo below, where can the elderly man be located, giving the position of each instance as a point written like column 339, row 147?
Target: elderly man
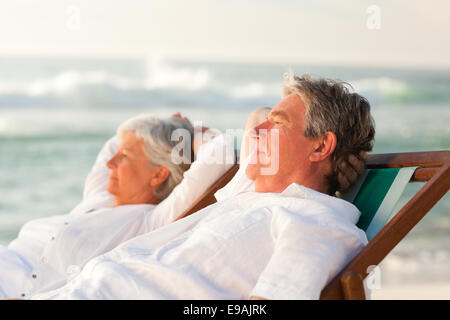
column 286, row 240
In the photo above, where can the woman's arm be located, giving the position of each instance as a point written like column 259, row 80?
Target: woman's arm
column 212, row 162
column 98, row 177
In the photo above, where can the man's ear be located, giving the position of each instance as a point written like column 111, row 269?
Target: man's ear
column 323, row 147
column 161, row 175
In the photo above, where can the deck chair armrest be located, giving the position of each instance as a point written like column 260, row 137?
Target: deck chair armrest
column 393, row 232
column 352, row 286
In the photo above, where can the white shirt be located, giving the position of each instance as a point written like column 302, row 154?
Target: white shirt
column 277, row 246
column 50, row 250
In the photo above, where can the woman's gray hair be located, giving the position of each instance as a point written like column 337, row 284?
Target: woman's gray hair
column 156, row 135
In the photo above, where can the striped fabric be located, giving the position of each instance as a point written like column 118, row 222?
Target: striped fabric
column 376, row 194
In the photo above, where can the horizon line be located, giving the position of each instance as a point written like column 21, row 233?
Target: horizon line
column 238, row 60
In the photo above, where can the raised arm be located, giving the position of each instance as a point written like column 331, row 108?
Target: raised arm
column 214, row 158
column 98, row 177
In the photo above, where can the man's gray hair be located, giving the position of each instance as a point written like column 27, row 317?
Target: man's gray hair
column 330, row 106
column 156, row 135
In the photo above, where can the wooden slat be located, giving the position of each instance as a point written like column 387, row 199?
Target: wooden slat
column 395, row 230
column 408, row 159
column 423, row 174
column 207, row 198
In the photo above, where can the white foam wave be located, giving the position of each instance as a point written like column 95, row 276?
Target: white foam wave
column 66, row 82
column 380, row 88
column 161, row 75
column 158, row 75
column 255, row 90
column 381, row 84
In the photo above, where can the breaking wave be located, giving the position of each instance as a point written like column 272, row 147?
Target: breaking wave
column 155, row 82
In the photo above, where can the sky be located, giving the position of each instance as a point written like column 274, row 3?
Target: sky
column 351, row 32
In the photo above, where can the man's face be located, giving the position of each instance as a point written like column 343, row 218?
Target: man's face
column 130, row 176
column 293, row 148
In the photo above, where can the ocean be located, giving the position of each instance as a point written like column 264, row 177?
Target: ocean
column 56, row 113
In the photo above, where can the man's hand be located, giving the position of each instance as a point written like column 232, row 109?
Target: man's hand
column 350, row 170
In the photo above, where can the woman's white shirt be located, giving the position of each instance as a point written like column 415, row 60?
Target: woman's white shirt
column 50, row 250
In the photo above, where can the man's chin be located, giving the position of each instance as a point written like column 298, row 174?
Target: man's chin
column 252, row 171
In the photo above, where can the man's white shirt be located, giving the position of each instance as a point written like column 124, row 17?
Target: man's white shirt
column 276, row 246
column 49, row 251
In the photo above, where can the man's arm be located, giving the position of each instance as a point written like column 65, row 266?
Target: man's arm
column 308, row 252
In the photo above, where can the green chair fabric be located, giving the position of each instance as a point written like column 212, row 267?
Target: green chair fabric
column 376, row 194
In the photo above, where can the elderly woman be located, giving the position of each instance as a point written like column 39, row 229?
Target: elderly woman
column 133, row 188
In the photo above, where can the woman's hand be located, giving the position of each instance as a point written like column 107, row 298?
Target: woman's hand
column 201, row 134
column 178, row 115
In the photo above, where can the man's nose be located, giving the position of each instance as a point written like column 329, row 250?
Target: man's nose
column 260, row 130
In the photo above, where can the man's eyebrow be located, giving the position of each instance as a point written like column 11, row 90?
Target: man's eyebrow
column 279, row 114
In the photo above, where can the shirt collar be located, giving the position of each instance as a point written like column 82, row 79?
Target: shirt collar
column 295, row 191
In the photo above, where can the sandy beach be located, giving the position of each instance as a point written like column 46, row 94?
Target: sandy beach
column 412, row 291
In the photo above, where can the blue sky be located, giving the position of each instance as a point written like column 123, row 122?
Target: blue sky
column 411, row 33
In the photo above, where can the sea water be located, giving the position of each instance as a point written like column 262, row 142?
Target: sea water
column 55, row 115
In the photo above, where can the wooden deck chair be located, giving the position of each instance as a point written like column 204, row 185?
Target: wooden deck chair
column 384, row 232
column 376, row 194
